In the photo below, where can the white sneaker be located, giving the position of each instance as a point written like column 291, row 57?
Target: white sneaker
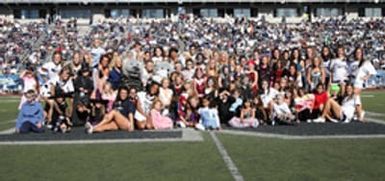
column 90, row 130
column 181, row 124
column 319, row 120
column 199, row 126
column 49, row 126
column 346, row 120
column 255, row 124
column 334, row 120
column 309, row 121
column 88, row 125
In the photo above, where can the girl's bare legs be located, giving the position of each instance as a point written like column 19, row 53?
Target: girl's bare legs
column 360, row 113
column 141, row 124
column 331, row 108
column 106, row 127
column 149, row 124
column 50, row 111
column 357, row 91
column 107, row 119
column 123, row 122
column 113, row 121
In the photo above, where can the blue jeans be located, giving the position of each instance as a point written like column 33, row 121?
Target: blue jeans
column 27, row 127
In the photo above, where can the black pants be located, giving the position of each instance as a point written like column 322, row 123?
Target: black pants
column 307, row 114
column 27, row 127
column 304, row 115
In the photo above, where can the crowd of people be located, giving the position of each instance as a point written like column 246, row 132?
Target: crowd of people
column 198, row 73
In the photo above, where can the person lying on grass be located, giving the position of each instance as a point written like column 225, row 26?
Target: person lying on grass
column 31, row 115
column 121, row 117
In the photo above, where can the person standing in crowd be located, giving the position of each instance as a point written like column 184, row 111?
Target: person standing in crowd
column 315, row 74
column 115, row 74
column 96, row 52
column 76, row 64
column 53, row 67
column 327, row 57
column 165, row 95
column 363, row 72
column 30, row 81
column 339, row 68
column 101, row 73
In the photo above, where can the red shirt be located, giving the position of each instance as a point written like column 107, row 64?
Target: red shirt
column 320, row 99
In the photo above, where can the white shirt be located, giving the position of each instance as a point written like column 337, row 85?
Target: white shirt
column 339, row 68
column 349, row 105
column 145, row 101
column 165, row 96
column 52, row 70
column 96, row 53
column 366, row 69
column 281, row 109
column 267, row 97
column 353, row 67
column 188, row 74
column 67, row 86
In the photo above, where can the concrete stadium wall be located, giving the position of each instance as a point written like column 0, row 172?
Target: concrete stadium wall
column 265, row 10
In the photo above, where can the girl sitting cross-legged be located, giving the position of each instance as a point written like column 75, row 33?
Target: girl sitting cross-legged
column 247, row 117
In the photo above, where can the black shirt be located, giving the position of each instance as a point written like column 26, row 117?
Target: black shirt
column 125, row 107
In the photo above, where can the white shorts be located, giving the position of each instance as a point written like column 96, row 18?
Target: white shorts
column 348, row 112
column 358, row 84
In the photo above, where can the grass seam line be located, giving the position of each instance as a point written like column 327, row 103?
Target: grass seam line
column 299, row 137
column 227, row 159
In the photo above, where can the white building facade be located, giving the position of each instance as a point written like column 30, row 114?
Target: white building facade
column 271, row 10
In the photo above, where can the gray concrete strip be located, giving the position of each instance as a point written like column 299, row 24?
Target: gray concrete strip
column 188, row 135
column 227, row 159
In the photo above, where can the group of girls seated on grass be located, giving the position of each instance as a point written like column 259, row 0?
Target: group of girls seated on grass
column 205, row 90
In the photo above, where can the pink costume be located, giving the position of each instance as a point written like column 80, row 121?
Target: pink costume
column 159, row 121
column 111, row 99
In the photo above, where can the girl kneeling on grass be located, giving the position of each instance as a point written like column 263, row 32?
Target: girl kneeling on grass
column 156, row 120
column 247, row 117
column 121, row 117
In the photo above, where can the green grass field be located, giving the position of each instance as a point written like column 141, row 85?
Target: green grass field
column 257, row 158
